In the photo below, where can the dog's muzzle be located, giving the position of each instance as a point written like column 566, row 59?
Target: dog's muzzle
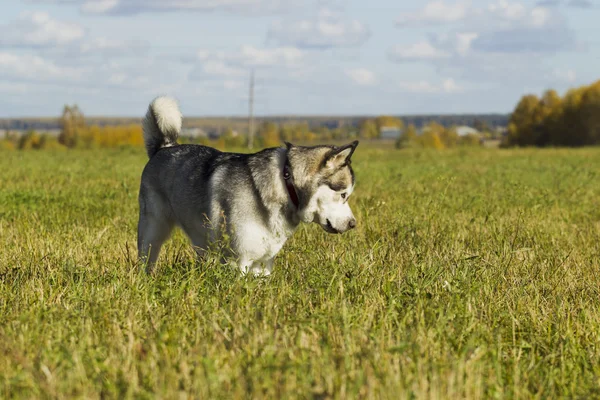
column 330, row 229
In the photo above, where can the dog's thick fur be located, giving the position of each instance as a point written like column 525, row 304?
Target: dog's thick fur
column 258, row 200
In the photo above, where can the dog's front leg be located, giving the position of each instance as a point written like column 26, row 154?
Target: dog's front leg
column 267, row 267
column 262, row 268
column 244, row 265
column 256, row 268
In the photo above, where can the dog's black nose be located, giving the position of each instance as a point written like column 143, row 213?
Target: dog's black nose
column 352, row 224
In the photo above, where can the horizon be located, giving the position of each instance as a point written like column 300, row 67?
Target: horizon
column 358, row 116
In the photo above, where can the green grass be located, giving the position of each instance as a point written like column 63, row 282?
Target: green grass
column 472, row 274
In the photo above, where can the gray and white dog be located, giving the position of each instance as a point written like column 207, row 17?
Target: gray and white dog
column 257, row 200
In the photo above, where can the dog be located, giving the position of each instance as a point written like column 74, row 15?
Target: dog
column 255, row 200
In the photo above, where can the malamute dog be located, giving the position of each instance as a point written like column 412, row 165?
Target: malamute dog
column 257, row 200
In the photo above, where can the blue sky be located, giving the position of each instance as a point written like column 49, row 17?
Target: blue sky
column 310, row 57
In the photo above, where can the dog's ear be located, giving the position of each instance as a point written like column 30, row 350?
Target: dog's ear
column 288, row 145
column 340, row 156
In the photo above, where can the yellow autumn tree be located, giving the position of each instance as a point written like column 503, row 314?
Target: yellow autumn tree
column 72, row 124
column 573, row 120
column 368, row 129
column 269, row 135
column 409, row 138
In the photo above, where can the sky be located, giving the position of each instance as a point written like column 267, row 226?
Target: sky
column 321, row 57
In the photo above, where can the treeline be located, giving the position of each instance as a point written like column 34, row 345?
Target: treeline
column 271, row 134
column 552, row 120
column 75, row 133
column 218, row 124
column 86, row 138
column 435, row 136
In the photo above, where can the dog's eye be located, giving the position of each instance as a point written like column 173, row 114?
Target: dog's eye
column 344, row 195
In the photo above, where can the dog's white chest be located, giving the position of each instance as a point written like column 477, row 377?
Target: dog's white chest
column 259, row 243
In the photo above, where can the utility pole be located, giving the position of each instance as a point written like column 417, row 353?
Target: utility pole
column 251, row 112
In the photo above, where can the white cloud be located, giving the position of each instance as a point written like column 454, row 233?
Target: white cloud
column 420, row 51
column 580, row 3
column 362, row 76
column 232, row 85
column 499, row 14
column 220, row 68
column 62, row 40
column 464, row 41
column 457, row 43
column 450, row 86
column 38, row 29
column 417, row 87
column 130, row 7
column 548, row 3
column 569, row 76
column 99, row 6
column 15, row 87
column 328, row 29
column 501, row 41
column 251, row 56
column 239, row 63
column 540, row 16
column 35, row 68
column 436, row 12
column 424, row 86
column 508, row 10
column 254, row 56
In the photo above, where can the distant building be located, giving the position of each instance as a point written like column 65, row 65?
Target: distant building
column 466, row 130
column 390, row 132
column 501, row 130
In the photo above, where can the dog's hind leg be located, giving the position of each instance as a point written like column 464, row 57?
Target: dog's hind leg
column 152, row 233
column 198, row 237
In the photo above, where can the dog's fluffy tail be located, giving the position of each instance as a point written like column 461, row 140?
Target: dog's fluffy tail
column 161, row 125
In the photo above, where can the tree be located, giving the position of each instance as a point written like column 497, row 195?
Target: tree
column 368, row 129
column 30, row 140
column 589, row 116
column 408, row 138
column 448, row 137
column 481, row 125
column 389, row 121
column 269, row 135
column 300, row 132
column 523, row 121
column 470, row 140
column 573, row 120
column 287, row 133
column 72, row 123
column 323, row 133
column 550, row 110
column 233, row 139
column 430, row 140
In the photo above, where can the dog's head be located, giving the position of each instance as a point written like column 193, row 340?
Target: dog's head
column 324, row 180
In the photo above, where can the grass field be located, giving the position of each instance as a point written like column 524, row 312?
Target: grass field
column 472, row 274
